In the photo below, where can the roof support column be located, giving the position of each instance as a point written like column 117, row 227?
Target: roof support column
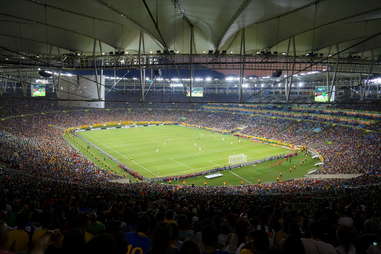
column 364, row 87
column 56, row 81
column 242, row 53
column 142, row 68
column 97, row 81
column 289, row 78
column 287, row 72
column 100, row 48
column 23, row 83
column 366, row 83
column 332, row 83
column 328, row 78
column 191, row 41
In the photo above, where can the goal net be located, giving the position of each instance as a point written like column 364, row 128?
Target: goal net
column 237, row 159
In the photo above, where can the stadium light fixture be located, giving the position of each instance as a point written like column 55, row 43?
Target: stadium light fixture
column 159, row 79
column 374, row 81
column 245, row 85
column 175, row 79
column 198, row 79
column 208, row 79
column 231, row 78
column 42, row 81
column 176, row 85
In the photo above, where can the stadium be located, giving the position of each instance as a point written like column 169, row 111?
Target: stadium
column 188, row 126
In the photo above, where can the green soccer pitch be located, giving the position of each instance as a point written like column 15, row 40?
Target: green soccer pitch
column 170, row 150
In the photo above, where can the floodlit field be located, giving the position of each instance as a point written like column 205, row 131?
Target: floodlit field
column 265, row 172
column 157, row 151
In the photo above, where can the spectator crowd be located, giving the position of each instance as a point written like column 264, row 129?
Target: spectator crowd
column 53, row 200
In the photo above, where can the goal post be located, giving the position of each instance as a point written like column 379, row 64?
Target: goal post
column 237, row 159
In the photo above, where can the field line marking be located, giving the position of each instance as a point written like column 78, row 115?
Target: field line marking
column 143, row 167
column 146, row 169
column 240, row 177
column 181, row 163
column 98, row 148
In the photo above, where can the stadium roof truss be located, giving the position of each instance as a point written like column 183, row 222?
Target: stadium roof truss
column 34, row 26
column 246, row 37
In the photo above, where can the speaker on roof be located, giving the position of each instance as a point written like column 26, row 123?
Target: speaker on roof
column 277, row 74
column 45, row 74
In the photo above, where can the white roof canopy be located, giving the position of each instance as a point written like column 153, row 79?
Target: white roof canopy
column 59, row 26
